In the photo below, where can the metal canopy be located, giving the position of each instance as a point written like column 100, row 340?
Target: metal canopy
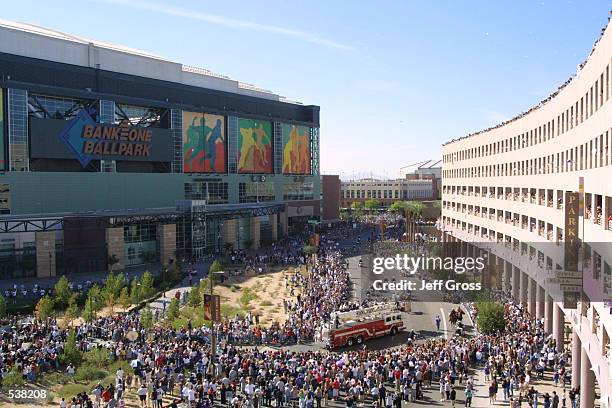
column 55, row 222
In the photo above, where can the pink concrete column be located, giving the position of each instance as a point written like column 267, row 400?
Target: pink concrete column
column 516, row 283
column 531, row 297
column 587, row 381
column 523, row 287
column 576, row 357
column 558, row 323
column 541, row 301
column 548, row 314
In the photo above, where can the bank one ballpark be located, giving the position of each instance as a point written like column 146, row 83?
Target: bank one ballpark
column 112, row 153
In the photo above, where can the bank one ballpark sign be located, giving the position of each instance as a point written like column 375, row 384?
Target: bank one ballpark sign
column 89, row 140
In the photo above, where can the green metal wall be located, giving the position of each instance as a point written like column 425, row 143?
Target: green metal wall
column 46, row 192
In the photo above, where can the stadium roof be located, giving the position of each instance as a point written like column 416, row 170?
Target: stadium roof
column 34, row 41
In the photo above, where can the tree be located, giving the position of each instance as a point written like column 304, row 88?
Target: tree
column 135, row 292
column 3, row 311
column 62, row 293
column 214, row 268
column 93, row 303
column 124, row 298
column 44, row 307
column 357, row 205
column 147, row 287
column 412, row 212
column 112, row 289
column 372, row 204
column 71, row 353
column 146, row 319
column 173, row 309
column 194, row 299
column 98, row 357
column 490, row 318
column 72, row 311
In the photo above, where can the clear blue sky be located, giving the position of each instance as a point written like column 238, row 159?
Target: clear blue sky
column 394, row 79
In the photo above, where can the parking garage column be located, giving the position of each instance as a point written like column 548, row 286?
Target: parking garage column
column 540, row 302
column 587, row 381
column 576, row 357
column 558, row 326
column 516, row 283
column 548, row 314
column 507, row 276
column 531, row 297
column 524, row 283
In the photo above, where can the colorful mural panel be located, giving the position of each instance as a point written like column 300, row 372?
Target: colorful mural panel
column 254, row 146
column 203, row 143
column 296, row 149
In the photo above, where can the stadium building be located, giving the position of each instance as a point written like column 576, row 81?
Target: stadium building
column 112, row 153
column 386, row 191
column 534, row 195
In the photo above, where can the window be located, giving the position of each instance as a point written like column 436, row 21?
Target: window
column 255, row 192
column 215, row 192
column 300, row 191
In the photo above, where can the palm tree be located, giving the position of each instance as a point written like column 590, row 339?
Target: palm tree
column 416, row 211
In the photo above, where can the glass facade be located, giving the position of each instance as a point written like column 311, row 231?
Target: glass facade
column 278, row 148
column 140, row 243
column 214, row 192
column 18, row 129
column 298, row 191
column 314, row 152
column 232, row 147
column 176, row 124
column 255, row 192
column 54, row 107
column 137, row 115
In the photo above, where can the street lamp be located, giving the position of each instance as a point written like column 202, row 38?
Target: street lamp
column 213, row 336
column 91, row 309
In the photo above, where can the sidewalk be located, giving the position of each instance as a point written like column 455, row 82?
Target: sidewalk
column 161, row 303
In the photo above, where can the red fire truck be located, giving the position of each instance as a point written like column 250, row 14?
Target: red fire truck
column 357, row 326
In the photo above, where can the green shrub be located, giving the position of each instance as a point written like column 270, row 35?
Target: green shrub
column 71, row 353
column 89, row 373
column 265, row 303
column 55, row 378
column 173, row 309
column 231, row 311
column 127, row 368
column 70, row 390
column 98, row 357
column 247, row 296
column 50, row 397
column 13, row 379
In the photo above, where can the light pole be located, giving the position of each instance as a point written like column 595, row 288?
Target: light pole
column 213, row 335
column 91, row 309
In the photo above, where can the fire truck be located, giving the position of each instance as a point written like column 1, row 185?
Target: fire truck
column 357, row 326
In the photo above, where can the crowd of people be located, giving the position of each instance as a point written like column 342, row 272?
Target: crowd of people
column 178, row 366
